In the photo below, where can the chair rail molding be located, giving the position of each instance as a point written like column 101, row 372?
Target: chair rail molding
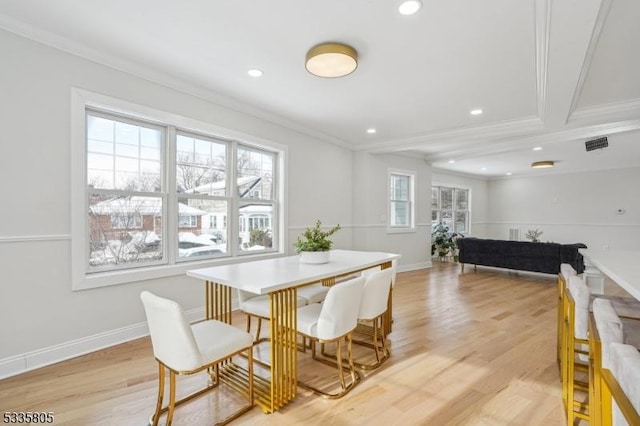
column 34, row 238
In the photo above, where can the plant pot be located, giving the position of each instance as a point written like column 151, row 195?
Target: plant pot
column 314, row 257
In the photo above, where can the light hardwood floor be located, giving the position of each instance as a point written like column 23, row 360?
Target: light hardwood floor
column 477, row 348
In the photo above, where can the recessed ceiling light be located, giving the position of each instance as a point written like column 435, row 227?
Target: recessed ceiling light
column 537, row 148
column 371, row 131
column 475, row 112
column 255, row 72
column 409, row 7
column 484, row 168
column 452, row 161
column 509, row 173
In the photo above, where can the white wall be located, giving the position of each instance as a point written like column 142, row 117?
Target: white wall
column 38, row 307
column 43, row 320
column 568, row 208
column 370, row 208
column 479, row 198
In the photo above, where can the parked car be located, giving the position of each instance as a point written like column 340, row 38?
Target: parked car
column 200, row 251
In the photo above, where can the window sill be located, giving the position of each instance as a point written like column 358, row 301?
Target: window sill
column 104, row 279
column 401, row 230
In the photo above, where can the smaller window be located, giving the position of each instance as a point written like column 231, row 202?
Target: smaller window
column 187, row 221
column 401, row 201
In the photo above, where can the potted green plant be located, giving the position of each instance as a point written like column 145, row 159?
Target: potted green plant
column 533, row 235
column 443, row 242
column 314, row 244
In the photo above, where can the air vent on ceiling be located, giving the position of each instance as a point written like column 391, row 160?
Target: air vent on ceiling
column 596, row 143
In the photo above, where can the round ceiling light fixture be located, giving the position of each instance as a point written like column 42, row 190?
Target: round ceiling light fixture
column 331, row 60
column 409, row 7
column 542, row 164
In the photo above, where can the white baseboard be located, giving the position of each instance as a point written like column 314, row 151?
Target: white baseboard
column 22, row 363
column 415, row 266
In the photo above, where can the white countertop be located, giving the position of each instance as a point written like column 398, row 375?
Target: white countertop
column 265, row 276
column 622, row 266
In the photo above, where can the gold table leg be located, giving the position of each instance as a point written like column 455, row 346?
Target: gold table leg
column 281, row 388
column 284, row 354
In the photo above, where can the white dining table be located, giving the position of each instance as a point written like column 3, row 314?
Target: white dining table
column 279, row 278
column 622, row 266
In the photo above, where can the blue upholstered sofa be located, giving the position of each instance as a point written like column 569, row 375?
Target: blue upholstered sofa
column 519, row 255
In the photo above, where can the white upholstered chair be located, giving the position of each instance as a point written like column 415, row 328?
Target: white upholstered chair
column 605, row 327
column 332, row 322
column 258, row 306
column 372, row 309
column 314, row 293
column 621, row 383
column 566, row 271
column 575, row 356
column 187, row 349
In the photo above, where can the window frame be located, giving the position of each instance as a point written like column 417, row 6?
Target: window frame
column 411, row 201
column 454, row 208
column 81, row 100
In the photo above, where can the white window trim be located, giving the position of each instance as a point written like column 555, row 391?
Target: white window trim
column 81, row 280
column 411, row 228
column 456, row 186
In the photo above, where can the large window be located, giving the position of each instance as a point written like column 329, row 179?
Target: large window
column 401, row 201
column 450, row 207
column 157, row 196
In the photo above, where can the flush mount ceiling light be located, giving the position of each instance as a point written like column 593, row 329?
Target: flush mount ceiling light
column 542, row 164
column 409, row 7
column 475, row 112
column 331, row 60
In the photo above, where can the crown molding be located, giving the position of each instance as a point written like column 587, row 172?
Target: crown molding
column 609, row 112
column 147, row 73
column 542, row 27
column 603, row 12
column 508, row 145
column 460, row 137
column 435, row 169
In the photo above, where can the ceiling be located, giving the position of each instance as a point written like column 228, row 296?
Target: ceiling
column 549, row 74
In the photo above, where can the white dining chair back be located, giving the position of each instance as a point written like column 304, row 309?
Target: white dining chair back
column 171, row 335
column 623, row 385
column 581, row 296
column 339, row 313
column 567, row 271
column 376, row 294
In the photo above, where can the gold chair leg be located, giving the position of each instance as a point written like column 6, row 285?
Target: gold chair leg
column 376, row 336
column 339, row 359
column 259, row 329
column 156, row 415
column 350, row 355
column 172, row 397
column 355, row 376
column 378, row 344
